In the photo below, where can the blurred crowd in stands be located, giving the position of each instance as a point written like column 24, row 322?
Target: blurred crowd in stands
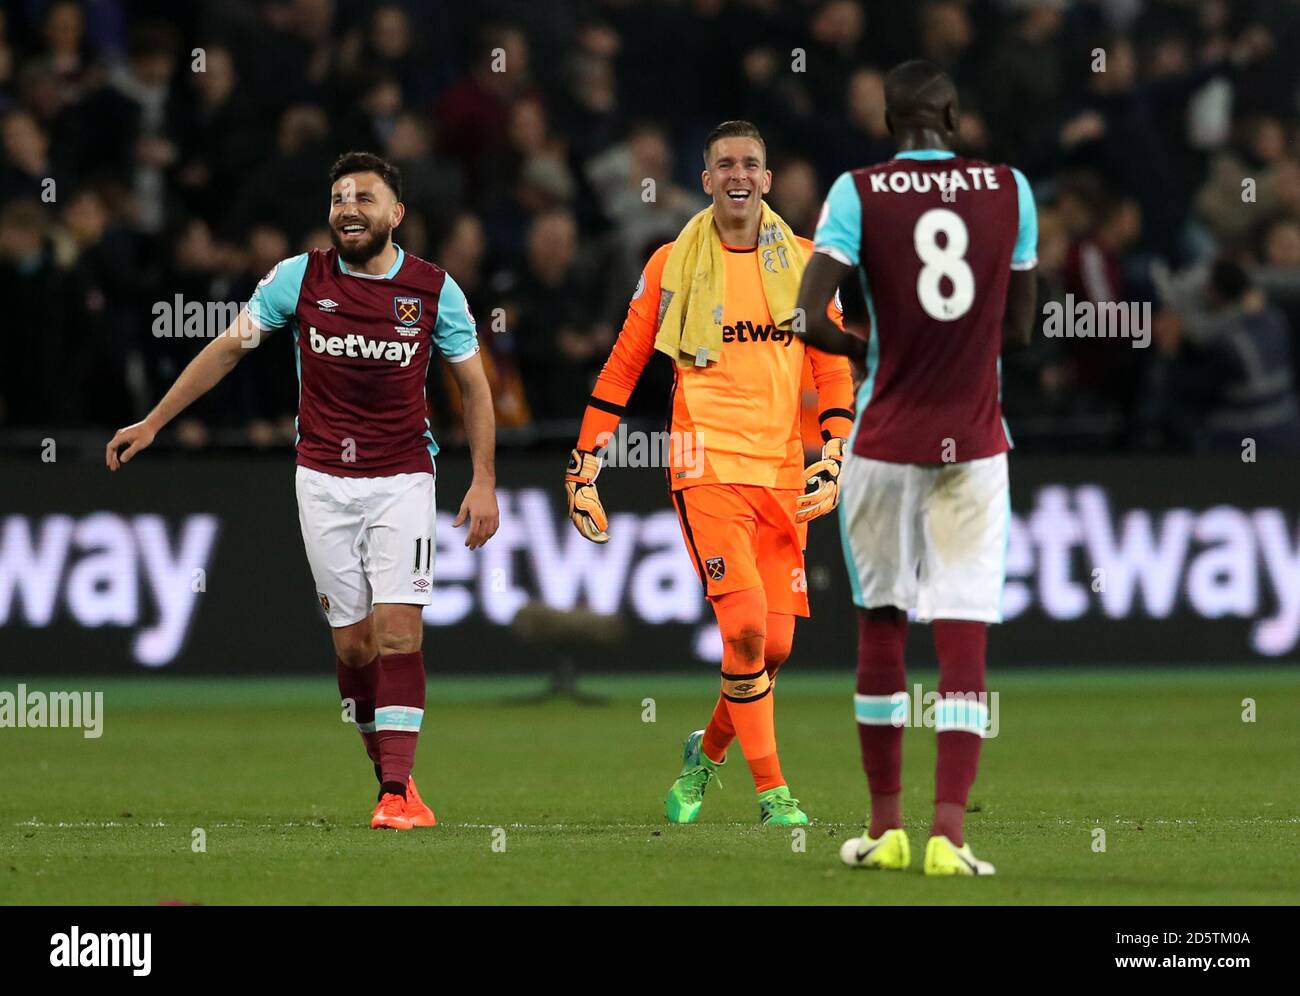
column 188, row 145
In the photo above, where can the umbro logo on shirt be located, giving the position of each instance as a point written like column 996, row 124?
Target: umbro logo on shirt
column 327, row 305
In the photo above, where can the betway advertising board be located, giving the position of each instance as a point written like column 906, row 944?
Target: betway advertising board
column 195, row 565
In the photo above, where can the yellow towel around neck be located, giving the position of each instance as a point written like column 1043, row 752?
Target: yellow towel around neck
column 692, row 291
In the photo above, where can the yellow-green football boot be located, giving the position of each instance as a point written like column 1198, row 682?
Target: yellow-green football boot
column 891, row 851
column 943, row 857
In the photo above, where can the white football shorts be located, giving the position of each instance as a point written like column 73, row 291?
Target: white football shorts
column 368, row 540
column 929, row 537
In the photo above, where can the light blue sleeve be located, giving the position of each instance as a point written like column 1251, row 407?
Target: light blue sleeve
column 1025, row 254
column 454, row 332
column 839, row 230
column 276, row 297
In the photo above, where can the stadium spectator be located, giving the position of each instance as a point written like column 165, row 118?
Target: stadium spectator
column 1020, row 85
column 473, row 115
column 434, row 186
column 527, row 176
column 100, row 255
column 219, row 145
column 858, row 135
column 1105, row 368
column 65, row 66
column 1037, row 381
column 1224, row 202
column 836, row 48
column 1278, row 276
column 138, row 119
column 543, row 305
column 795, row 195
column 275, row 194
column 43, row 374
column 634, row 184
column 1224, row 372
column 462, row 252
column 27, row 161
column 595, row 113
column 946, row 36
column 391, row 49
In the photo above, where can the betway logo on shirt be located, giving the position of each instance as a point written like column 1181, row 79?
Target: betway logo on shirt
column 356, row 345
column 749, row 332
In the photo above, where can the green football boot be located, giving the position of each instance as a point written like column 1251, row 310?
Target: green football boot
column 777, row 809
column 687, row 794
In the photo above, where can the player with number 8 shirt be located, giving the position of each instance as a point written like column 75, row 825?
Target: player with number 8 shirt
column 945, row 248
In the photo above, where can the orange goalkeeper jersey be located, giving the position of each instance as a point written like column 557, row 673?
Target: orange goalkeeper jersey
column 736, row 421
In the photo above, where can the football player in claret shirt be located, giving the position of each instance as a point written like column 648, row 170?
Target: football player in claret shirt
column 719, row 301
column 365, row 318
column 946, row 248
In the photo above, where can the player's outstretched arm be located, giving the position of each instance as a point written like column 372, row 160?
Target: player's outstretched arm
column 200, row 376
column 606, row 406
column 821, row 278
column 480, row 503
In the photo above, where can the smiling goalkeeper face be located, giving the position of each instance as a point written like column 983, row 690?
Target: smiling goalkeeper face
column 363, row 213
column 737, row 177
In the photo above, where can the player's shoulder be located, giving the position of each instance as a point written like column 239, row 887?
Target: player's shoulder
column 805, row 244
column 652, row 275
column 654, row 267
column 288, row 270
column 971, row 163
column 987, row 164
column 660, row 256
column 420, row 269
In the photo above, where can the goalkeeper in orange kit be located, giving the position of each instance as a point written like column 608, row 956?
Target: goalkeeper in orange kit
column 720, row 300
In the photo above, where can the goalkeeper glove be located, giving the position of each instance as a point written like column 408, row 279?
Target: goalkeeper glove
column 823, row 479
column 585, row 509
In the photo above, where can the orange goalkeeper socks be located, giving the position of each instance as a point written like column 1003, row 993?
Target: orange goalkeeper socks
column 720, row 732
column 755, row 723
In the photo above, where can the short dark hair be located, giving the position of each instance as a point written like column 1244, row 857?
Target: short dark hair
column 367, row 162
column 917, row 92
column 734, row 129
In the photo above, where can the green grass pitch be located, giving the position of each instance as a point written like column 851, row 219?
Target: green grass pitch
column 1197, row 806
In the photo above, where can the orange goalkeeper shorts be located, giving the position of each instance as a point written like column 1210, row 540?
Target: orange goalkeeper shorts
column 743, row 536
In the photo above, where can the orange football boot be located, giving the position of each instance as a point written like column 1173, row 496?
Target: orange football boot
column 417, row 812
column 390, row 814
